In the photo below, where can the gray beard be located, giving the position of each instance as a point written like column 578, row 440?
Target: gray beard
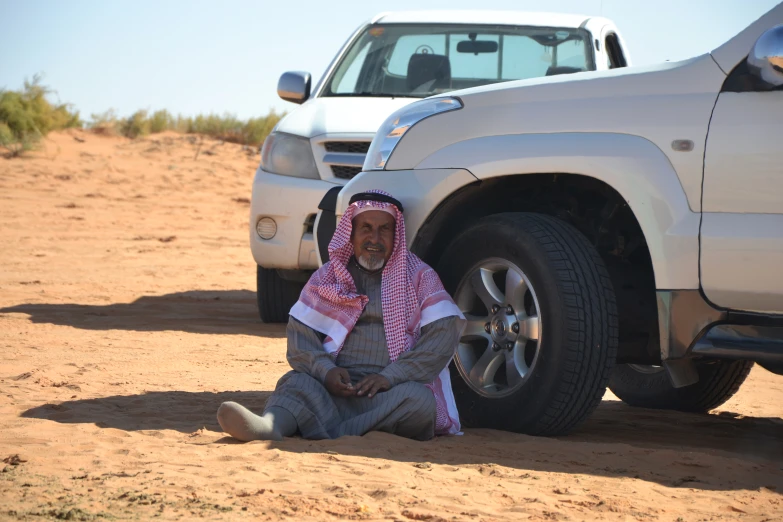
column 371, row 262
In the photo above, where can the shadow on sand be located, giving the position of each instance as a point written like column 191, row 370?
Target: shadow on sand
column 195, row 311
column 185, row 412
column 629, row 442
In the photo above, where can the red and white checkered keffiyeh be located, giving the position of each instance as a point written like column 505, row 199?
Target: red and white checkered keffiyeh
column 412, row 296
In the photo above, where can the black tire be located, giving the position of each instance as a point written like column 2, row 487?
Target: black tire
column 644, row 387
column 578, row 316
column 275, row 295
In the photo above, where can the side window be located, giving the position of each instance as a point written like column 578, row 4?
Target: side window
column 347, row 83
column 614, row 52
column 473, row 66
column 409, row 45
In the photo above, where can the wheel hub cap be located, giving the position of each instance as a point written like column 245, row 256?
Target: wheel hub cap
column 501, row 341
column 499, row 330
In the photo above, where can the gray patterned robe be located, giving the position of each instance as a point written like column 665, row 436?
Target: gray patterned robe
column 407, row 409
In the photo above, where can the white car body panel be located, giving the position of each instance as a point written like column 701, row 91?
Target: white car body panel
column 668, row 102
column 489, row 17
column 742, row 256
column 336, row 115
column 743, row 171
column 288, row 201
column 742, row 232
column 641, row 174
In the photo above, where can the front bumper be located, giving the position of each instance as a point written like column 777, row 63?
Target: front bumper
column 293, row 204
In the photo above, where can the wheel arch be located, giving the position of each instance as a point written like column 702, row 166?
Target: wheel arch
column 631, row 166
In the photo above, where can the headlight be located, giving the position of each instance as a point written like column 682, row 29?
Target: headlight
column 288, row 155
column 395, row 127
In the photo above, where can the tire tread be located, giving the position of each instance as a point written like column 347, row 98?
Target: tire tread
column 583, row 279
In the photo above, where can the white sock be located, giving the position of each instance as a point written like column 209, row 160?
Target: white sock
column 243, row 424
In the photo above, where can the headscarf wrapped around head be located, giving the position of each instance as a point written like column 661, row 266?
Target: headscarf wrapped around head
column 412, row 296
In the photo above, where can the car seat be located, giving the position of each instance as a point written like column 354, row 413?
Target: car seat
column 427, row 72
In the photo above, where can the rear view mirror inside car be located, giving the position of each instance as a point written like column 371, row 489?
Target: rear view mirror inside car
column 477, row 46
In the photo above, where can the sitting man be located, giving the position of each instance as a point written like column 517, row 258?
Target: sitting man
column 369, row 341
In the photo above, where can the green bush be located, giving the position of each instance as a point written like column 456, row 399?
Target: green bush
column 227, row 127
column 6, row 135
column 257, row 129
column 161, row 121
column 137, row 125
column 104, row 122
column 27, row 115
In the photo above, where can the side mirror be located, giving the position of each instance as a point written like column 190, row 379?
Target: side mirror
column 765, row 61
column 294, row 86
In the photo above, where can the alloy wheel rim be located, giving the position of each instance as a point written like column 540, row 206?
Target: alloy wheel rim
column 501, row 342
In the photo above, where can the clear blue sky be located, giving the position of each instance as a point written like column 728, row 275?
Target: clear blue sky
column 226, row 56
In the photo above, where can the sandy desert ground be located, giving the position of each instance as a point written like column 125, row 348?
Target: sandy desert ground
column 127, row 315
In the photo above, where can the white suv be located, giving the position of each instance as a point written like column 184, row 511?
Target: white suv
column 386, row 64
column 620, row 228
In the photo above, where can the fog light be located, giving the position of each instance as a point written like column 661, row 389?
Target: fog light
column 266, row 228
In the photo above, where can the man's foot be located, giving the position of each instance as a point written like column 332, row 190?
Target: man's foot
column 243, row 424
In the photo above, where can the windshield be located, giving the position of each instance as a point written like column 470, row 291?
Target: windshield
column 420, row 60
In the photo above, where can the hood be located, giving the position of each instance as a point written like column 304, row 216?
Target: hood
column 348, row 115
column 643, row 101
column 582, row 85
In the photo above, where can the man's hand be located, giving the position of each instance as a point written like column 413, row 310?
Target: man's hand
column 372, row 384
column 338, row 382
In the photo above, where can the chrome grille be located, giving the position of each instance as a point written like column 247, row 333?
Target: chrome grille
column 353, row 147
column 340, row 157
column 344, row 172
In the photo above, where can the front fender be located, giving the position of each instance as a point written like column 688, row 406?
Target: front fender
column 635, row 167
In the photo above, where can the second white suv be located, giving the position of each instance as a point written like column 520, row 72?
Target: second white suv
column 387, row 63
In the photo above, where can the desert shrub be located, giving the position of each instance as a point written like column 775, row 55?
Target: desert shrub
column 105, row 123
column 17, row 116
column 17, row 143
column 14, row 143
column 227, row 127
column 6, row 136
column 161, row 121
column 221, row 127
column 257, row 129
column 182, row 123
column 63, row 118
column 136, row 125
column 28, row 115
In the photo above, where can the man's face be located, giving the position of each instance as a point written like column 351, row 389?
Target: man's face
column 373, row 238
